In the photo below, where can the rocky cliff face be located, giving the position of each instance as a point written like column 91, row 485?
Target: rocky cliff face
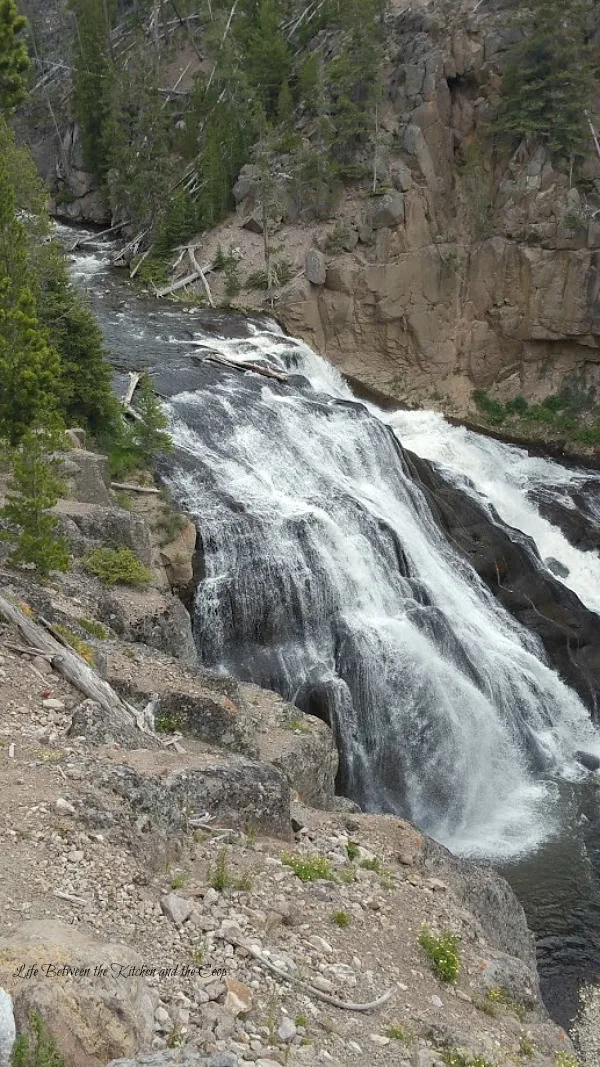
column 473, row 270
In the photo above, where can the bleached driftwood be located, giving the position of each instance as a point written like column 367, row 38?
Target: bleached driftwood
column 134, row 380
column 67, row 663
column 143, row 257
column 196, row 266
column 129, row 487
column 180, row 284
column 80, row 242
column 348, row 1005
column 257, row 368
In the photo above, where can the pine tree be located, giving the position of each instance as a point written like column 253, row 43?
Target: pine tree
column 29, row 366
column 137, row 136
column 353, row 78
column 93, row 75
column 84, row 385
column 33, row 489
column 548, row 80
column 14, row 61
column 268, row 57
column 149, row 436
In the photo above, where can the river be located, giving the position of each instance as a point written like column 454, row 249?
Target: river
column 327, row 579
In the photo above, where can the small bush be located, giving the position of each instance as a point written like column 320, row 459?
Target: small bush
column 526, row 1047
column 281, row 273
column 566, row 1059
column 352, row 850
column 36, row 1048
column 115, row 566
column 371, row 865
column 178, row 882
column 220, row 877
column 443, row 953
column 75, row 642
column 96, row 629
column 336, row 240
column 395, row 1032
column 463, row 1059
column 341, row 919
column 308, row 868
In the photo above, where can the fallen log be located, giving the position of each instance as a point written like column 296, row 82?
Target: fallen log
column 129, row 487
column 256, row 368
column 67, row 663
column 134, row 380
column 181, row 284
column 196, row 266
column 79, row 243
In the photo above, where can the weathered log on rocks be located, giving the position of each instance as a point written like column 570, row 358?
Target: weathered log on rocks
column 67, row 663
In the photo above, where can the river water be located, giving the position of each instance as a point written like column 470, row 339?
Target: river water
column 326, row 578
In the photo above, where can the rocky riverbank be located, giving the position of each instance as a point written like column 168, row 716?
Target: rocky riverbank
column 199, row 893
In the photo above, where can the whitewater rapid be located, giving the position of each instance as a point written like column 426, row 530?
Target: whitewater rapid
column 502, row 476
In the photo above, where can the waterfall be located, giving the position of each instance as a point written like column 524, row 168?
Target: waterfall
column 326, row 578
column 507, row 478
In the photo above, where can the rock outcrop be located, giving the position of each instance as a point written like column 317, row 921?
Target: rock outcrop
column 84, row 990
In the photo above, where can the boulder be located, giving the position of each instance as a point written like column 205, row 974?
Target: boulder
column 253, row 223
column 156, row 619
column 102, row 727
column 315, row 267
column 87, row 476
column 238, row 792
column 177, row 557
column 388, row 210
column 186, row 1056
column 82, row 989
column 248, row 183
column 102, row 525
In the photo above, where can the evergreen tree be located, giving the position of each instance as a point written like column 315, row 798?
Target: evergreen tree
column 93, row 75
column 33, row 489
column 548, row 80
column 267, row 56
column 137, row 136
column 14, row 61
column 353, row 78
column 29, row 366
column 84, row 386
column 149, row 436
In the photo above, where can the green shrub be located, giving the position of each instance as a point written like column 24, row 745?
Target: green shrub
column 336, row 240
column 566, row 1059
column 36, row 1048
column 281, row 272
column 352, row 850
column 117, row 565
column 371, row 865
column 443, row 953
column 75, row 642
column 395, row 1032
column 308, row 868
column 463, row 1059
column 341, row 919
column 96, row 629
column 220, row 877
column 33, row 489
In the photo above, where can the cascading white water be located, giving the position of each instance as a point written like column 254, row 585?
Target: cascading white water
column 502, row 475
column 327, row 579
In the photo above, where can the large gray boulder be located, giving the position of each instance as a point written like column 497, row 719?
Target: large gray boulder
column 112, row 526
column 316, row 267
column 388, row 210
column 87, row 477
column 238, row 793
column 83, row 990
